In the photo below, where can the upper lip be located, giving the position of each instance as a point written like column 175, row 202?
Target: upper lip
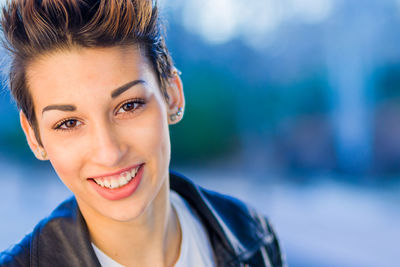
column 115, row 173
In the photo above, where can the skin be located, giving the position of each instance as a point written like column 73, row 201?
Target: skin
column 104, row 135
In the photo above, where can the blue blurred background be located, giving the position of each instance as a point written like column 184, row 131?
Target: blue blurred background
column 292, row 106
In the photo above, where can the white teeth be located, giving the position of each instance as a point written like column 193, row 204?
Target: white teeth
column 134, row 171
column 122, row 180
column 114, row 184
column 126, row 175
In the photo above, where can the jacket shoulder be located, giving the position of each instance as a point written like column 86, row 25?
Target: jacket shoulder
column 246, row 233
column 253, row 231
column 22, row 253
column 18, row 254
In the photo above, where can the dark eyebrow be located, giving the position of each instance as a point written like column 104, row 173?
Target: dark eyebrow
column 114, row 94
column 59, row 107
column 125, row 87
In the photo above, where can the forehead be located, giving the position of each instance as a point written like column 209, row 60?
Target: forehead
column 60, row 74
column 78, row 61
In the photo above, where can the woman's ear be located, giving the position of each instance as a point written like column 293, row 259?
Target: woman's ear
column 33, row 143
column 176, row 99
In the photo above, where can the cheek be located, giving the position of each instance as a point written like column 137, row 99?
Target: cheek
column 150, row 135
column 65, row 160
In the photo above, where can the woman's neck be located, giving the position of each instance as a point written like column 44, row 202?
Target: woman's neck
column 153, row 239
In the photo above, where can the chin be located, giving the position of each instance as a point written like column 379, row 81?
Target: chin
column 148, row 199
column 123, row 214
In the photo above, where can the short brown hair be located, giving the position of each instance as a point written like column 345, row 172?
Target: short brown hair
column 34, row 27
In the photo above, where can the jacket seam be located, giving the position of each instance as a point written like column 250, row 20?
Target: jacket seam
column 251, row 220
column 255, row 246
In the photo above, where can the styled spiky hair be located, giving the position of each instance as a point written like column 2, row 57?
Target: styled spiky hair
column 34, row 27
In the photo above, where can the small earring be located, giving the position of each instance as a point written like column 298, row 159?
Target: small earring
column 177, row 114
column 177, row 72
column 42, row 153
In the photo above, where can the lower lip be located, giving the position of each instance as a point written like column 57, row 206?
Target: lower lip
column 121, row 192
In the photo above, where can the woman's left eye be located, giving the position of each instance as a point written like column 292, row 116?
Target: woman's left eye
column 130, row 106
column 68, row 124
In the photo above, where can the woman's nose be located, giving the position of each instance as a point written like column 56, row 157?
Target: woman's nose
column 107, row 147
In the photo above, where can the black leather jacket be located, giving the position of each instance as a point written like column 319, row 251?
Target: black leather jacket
column 239, row 235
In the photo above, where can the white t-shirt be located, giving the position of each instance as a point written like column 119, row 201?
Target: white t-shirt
column 195, row 247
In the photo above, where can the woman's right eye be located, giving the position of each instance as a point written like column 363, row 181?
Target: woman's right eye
column 130, row 106
column 68, row 124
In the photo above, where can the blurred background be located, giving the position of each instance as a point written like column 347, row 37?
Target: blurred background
column 292, row 105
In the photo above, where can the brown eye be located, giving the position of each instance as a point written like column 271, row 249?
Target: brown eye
column 128, row 106
column 68, row 124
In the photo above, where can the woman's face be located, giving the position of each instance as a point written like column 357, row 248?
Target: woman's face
column 103, row 122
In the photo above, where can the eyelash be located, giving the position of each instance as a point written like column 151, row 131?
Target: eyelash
column 136, row 101
column 139, row 102
column 61, row 123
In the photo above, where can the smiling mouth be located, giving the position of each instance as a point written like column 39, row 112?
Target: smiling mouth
column 117, row 181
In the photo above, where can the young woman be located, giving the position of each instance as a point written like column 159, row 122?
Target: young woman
column 97, row 90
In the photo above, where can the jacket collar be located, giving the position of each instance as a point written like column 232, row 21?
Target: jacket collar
column 62, row 239
column 237, row 227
